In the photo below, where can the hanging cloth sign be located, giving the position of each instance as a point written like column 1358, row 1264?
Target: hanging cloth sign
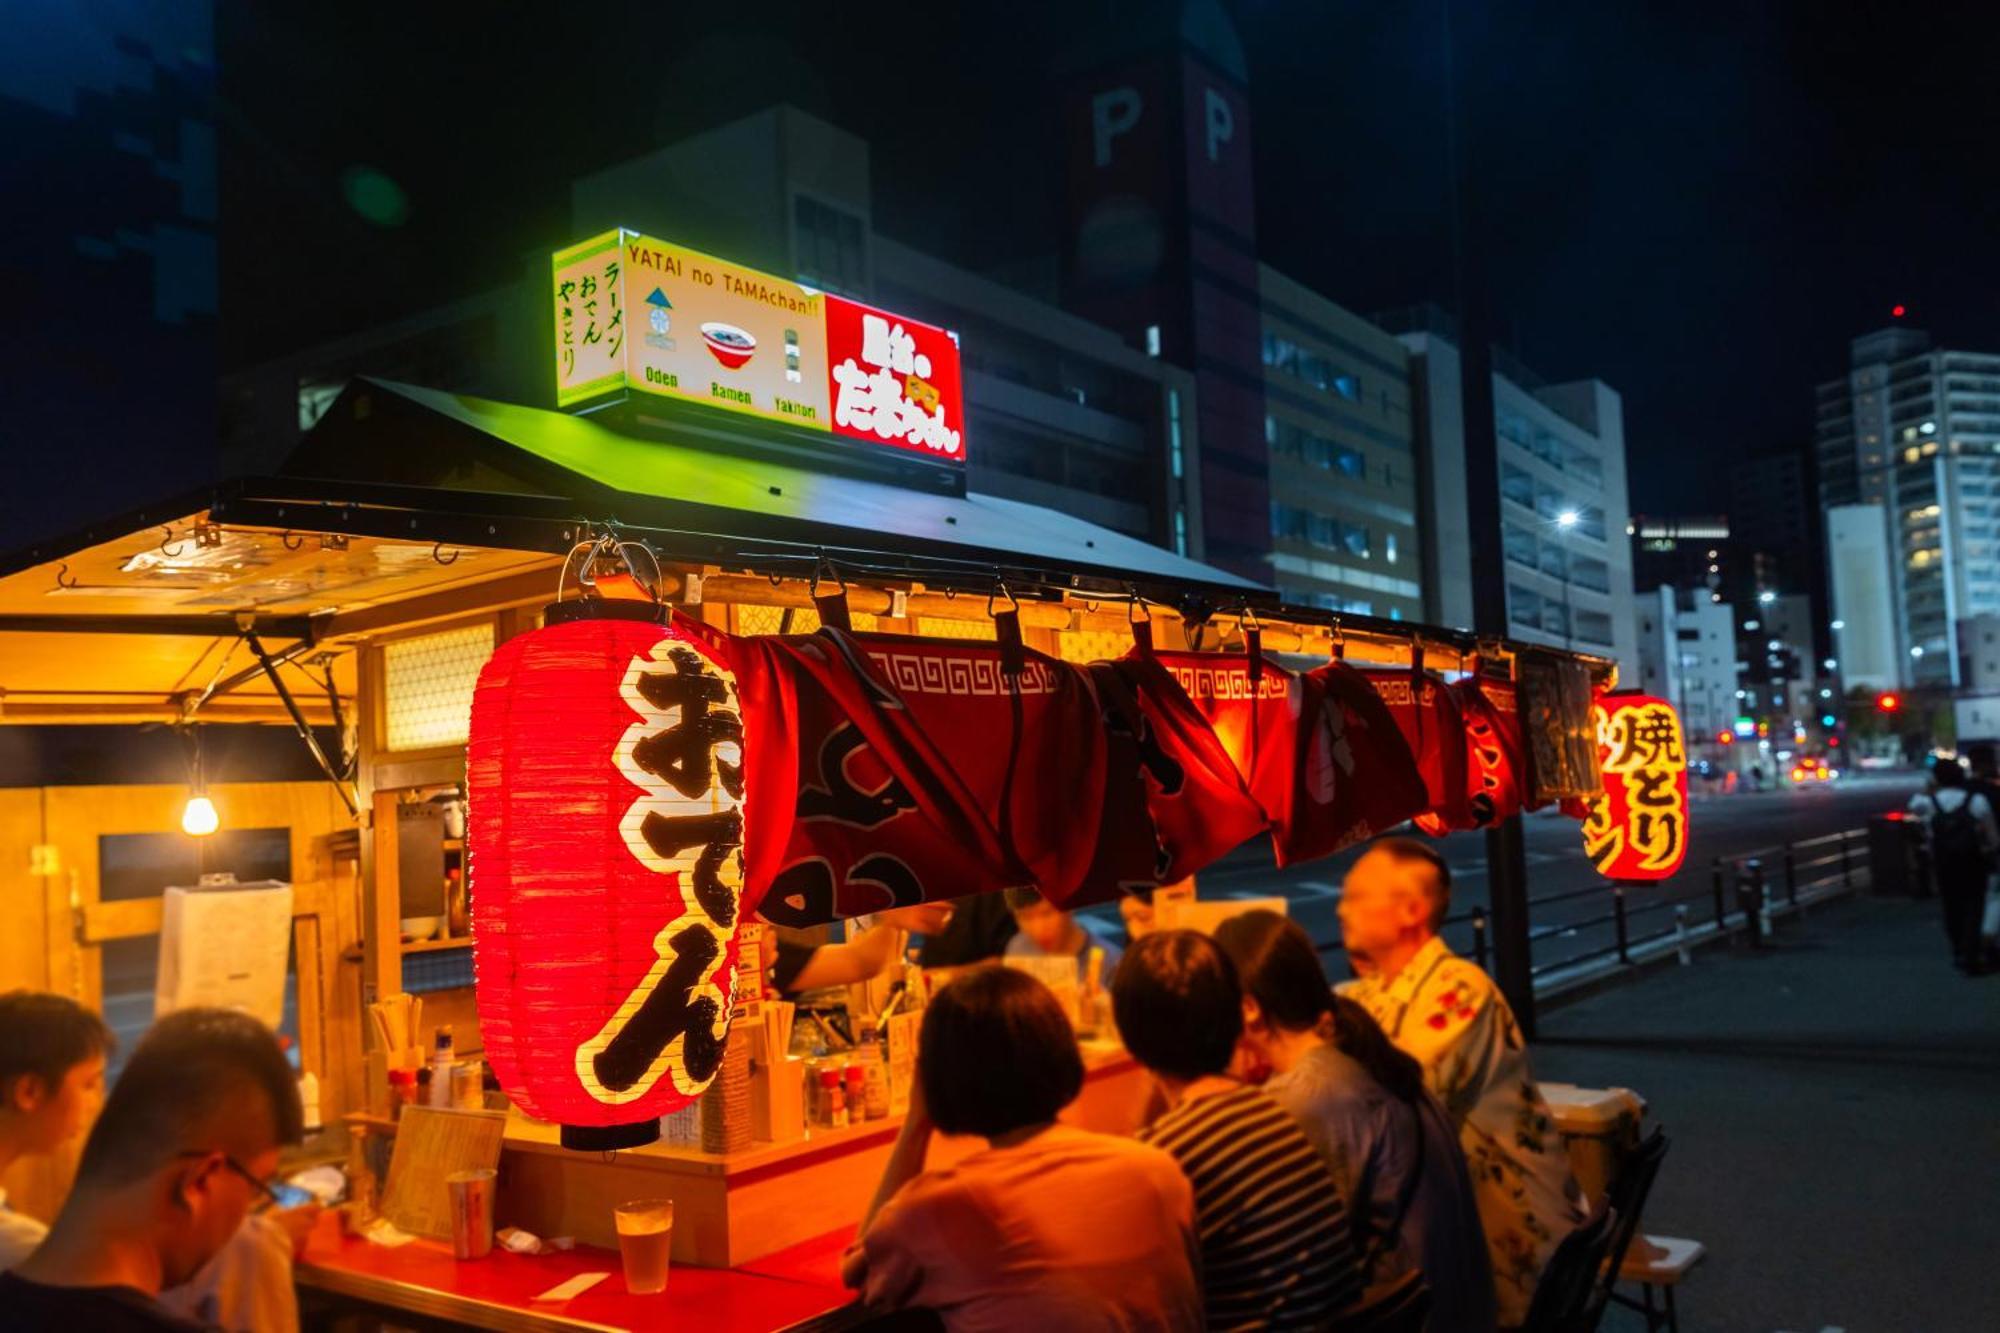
column 1364, row 757
column 912, row 769
column 1493, row 757
column 1284, row 733
column 1427, row 713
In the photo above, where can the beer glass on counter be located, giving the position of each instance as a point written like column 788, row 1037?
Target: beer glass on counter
column 645, row 1237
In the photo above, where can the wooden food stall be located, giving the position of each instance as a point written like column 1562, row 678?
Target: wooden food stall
column 352, row 602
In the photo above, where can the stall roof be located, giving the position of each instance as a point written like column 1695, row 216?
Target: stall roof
column 690, row 498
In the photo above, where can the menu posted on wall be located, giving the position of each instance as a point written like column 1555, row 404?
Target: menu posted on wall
column 637, row 314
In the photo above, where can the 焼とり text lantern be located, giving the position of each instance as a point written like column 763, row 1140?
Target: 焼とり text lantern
column 1638, row 829
column 605, row 832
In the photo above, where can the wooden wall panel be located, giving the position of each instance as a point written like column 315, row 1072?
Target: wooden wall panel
column 24, row 958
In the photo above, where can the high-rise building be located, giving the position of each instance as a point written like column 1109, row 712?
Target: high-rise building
column 1687, row 656
column 1563, row 503
column 1917, row 430
column 1342, row 456
column 1862, row 578
column 1162, row 235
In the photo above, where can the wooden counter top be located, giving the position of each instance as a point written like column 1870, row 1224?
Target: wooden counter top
column 498, row 1291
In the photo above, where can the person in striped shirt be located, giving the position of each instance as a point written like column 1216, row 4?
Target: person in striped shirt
column 1276, row 1250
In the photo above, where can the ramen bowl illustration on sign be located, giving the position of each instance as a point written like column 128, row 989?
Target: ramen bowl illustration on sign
column 729, row 345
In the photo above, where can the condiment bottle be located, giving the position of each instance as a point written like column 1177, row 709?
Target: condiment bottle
column 402, row 1091
column 833, row 1102
column 857, row 1091
column 443, row 1057
column 875, row 1080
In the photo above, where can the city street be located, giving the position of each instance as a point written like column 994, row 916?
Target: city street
column 1722, row 826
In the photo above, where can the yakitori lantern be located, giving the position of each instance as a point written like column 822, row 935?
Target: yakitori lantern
column 604, row 836
column 1638, row 828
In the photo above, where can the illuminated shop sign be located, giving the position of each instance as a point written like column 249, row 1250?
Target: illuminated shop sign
column 637, row 314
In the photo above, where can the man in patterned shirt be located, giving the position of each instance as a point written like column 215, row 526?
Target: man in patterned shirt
column 1276, row 1251
column 1449, row 1015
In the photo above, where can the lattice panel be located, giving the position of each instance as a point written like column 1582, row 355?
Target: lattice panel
column 427, row 686
column 937, row 627
column 1084, row 646
column 805, row 619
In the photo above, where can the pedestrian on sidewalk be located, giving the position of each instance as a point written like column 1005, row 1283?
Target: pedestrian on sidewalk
column 1984, row 780
column 1959, row 824
column 1447, row 1013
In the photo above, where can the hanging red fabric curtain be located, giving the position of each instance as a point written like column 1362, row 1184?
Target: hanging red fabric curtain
column 1493, row 754
column 913, row 769
column 606, row 787
column 1289, row 738
column 1375, row 778
column 1427, row 713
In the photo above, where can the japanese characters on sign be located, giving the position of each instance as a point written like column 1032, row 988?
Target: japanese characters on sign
column 1638, row 828
column 634, row 313
column 685, row 754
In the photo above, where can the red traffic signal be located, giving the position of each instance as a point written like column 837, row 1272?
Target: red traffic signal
column 1888, row 702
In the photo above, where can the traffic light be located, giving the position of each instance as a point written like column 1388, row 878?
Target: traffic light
column 1888, row 702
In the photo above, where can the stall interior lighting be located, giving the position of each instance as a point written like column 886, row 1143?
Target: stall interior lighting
column 199, row 819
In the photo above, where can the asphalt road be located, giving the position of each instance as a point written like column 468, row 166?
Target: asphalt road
column 1721, row 826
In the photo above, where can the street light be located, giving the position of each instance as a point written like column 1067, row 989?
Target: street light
column 1568, row 518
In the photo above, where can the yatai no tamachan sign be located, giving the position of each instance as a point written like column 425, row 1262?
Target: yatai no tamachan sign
column 1638, row 828
column 635, row 313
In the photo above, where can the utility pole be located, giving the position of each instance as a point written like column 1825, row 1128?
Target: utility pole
column 1506, row 858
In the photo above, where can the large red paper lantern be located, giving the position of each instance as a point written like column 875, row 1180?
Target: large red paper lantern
column 1638, row 827
column 605, row 781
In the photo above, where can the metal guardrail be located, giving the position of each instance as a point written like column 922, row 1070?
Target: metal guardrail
column 1745, row 894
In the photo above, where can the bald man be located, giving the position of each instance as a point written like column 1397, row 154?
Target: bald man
column 1450, row 1016
column 186, row 1144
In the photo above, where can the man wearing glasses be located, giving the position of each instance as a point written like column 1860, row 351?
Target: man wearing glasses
column 185, row 1147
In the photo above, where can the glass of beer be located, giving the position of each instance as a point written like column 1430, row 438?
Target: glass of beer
column 645, row 1236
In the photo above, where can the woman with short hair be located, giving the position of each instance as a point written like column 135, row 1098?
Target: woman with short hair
column 1363, row 1104
column 1049, row 1227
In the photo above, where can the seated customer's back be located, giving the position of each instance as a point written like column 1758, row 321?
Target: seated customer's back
column 1276, row 1248
column 1048, row 1228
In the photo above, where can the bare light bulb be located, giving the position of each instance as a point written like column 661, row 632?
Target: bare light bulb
column 199, row 819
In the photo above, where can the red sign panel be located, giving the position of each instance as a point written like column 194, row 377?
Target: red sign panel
column 1638, row 828
column 894, row 381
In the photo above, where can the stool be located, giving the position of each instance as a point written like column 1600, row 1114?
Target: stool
column 1658, row 1261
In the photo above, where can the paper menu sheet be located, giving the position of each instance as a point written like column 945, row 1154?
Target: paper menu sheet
column 227, row 946
column 432, row 1142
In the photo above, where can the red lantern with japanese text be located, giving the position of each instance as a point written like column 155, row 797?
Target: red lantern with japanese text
column 605, row 829
column 1638, row 828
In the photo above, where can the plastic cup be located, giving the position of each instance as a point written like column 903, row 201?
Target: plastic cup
column 645, row 1239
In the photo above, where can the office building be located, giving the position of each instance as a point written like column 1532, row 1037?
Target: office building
column 1563, row 503
column 1343, row 467
column 1916, row 429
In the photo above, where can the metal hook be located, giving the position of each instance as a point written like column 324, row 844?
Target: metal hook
column 165, row 541
column 1002, row 590
column 291, row 541
column 437, row 547
column 71, row 582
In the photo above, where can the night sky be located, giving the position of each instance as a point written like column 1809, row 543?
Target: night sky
column 1699, row 206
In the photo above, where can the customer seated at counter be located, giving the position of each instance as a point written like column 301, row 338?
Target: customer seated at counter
column 186, row 1144
column 1049, row 1228
column 1363, row 1104
column 52, row 1052
column 1276, row 1247
column 1046, row 931
column 796, row 965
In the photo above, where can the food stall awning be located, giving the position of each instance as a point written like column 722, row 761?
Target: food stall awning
column 694, row 498
column 407, row 503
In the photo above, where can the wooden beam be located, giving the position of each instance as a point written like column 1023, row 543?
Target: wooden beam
column 527, row 588
column 21, row 712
